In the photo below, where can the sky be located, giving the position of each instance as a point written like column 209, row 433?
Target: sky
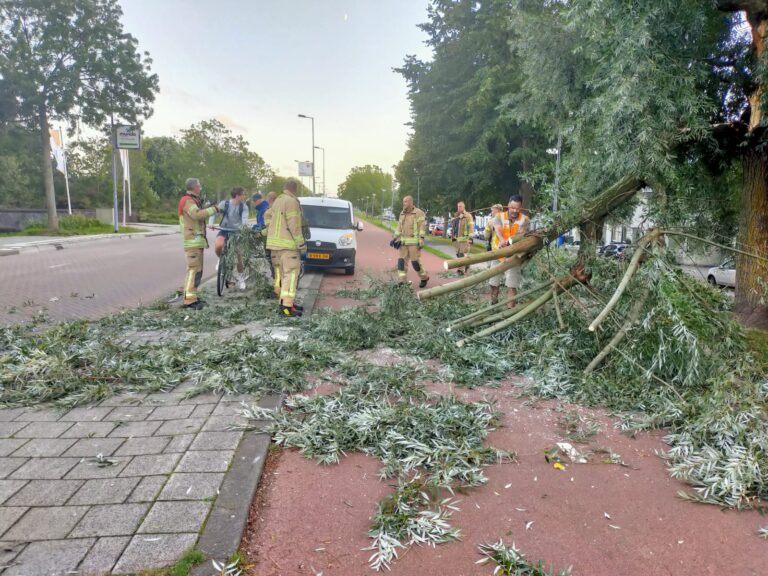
column 256, row 64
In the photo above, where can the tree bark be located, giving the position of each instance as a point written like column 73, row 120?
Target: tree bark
column 47, row 168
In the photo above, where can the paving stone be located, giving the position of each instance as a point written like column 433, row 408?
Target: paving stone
column 228, row 409
column 153, row 551
column 148, row 489
column 48, row 523
column 8, row 445
column 151, row 465
column 144, row 445
column 43, row 429
column 202, row 411
column 104, row 491
column 180, row 443
column 223, row 423
column 174, row 517
column 53, row 558
column 38, row 415
column 90, row 447
column 89, row 430
column 206, row 461
column 171, row 412
column 9, row 487
column 9, row 551
column 8, row 414
column 185, row 426
column 129, row 413
column 216, row 441
column 44, row 447
column 123, row 400
column 103, row 556
column 194, row 486
column 8, row 465
column 45, row 493
column 202, row 399
column 86, row 414
column 8, row 429
column 87, row 469
column 111, row 520
column 44, row 468
column 9, row 515
column 135, row 429
column 164, row 399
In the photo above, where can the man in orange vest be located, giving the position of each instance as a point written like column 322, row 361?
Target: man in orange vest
column 506, row 226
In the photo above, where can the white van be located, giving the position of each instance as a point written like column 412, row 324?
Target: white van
column 332, row 242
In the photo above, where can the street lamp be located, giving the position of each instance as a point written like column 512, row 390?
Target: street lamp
column 556, row 152
column 313, row 168
column 313, row 150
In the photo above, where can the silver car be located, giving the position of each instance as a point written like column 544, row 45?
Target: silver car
column 723, row 275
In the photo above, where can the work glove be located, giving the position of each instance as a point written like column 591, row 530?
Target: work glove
column 421, row 242
column 396, row 243
column 303, row 252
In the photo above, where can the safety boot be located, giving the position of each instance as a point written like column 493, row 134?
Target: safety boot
column 196, row 305
column 290, row 312
column 423, row 283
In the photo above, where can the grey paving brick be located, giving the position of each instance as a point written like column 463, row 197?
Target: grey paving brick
column 179, row 443
column 86, row 414
column 8, row 445
column 44, row 447
column 90, row 447
column 202, row 399
column 191, row 486
column 8, row 465
column 44, row 468
column 87, row 469
column 153, row 551
column 151, row 465
column 174, row 517
column 111, row 520
column 206, row 461
column 185, row 426
column 171, row 412
column 148, row 489
column 228, row 409
column 45, row 493
column 38, row 415
column 55, row 557
column 9, row 551
column 43, row 429
column 9, row 515
column 48, row 523
column 8, row 429
column 144, row 445
column 89, row 430
column 9, row 487
column 8, row 414
column 103, row 556
column 104, row 491
column 129, row 413
column 202, row 411
column 135, row 429
column 123, row 400
column 223, row 423
column 163, row 399
column 216, row 441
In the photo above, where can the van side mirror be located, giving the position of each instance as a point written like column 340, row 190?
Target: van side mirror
column 359, row 226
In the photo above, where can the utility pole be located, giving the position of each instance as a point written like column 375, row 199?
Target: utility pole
column 114, row 173
column 324, row 176
column 314, row 192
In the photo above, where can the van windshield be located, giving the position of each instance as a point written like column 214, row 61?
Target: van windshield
column 334, row 217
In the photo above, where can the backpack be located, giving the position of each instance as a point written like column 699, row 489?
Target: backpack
column 241, row 207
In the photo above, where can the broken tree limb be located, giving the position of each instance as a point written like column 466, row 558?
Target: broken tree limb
column 634, row 264
column 470, row 259
column 468, row 281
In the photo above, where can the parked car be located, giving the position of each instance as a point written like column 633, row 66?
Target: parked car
column 723, row 275
column 610, row 249
column 622, row 251
column 437, row 230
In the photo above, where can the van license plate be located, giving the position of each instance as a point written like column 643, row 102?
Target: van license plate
column 318, row 256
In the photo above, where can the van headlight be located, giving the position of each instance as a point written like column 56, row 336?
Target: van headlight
column 346, row 240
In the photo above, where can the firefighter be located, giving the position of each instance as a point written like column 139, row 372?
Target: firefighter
column 463, row 227
column 409, row 240
column 488, row 233
column 506, row 226
column 287, row 246
column 192, row 217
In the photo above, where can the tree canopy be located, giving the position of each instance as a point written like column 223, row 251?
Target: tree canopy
column 367, row 186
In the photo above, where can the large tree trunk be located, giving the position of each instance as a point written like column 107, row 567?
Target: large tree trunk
column 47, row 168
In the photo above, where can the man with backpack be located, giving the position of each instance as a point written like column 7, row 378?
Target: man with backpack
column 234, row 214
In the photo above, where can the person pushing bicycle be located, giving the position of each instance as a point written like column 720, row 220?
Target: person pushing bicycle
column 235, row 214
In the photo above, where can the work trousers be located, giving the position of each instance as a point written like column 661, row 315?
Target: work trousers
column 286, row 265
column 194, row 274
column 410, row 253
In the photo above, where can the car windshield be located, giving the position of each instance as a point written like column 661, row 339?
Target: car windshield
column 334, row 217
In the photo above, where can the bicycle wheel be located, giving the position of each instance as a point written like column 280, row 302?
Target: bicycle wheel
column 222, row 274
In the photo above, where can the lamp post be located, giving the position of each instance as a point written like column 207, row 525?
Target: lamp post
column 313, row 150
column 323, row 149
column 556, row 152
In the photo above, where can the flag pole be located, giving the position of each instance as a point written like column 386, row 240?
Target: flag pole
column 66, row 172
column 128, row 168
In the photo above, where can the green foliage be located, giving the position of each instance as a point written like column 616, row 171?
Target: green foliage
column 74, row 225
column 511, row 562
column 367, row 186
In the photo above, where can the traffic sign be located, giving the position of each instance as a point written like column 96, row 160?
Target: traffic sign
column 128, row 137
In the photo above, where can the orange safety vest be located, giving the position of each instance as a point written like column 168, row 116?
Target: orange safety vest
column 508, row 229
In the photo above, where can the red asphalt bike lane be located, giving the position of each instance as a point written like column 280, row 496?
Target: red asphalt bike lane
column 601, row 519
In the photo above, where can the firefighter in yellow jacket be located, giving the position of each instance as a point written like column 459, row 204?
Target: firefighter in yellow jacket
column 192, row 218
column 463, row 228
column 286, row 242
column 409, row 240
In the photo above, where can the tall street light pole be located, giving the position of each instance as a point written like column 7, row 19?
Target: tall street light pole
column 323, row 149
column 313, row 151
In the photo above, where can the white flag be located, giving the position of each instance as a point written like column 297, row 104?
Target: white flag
column 58, row 151
column 125, row 160
column 305, row 169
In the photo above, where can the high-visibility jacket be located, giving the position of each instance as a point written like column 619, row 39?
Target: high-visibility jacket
column 510, row 228
column 411, row 228
column 284, row 231
column 192, row 217
column 465, row 226
column 267, row 220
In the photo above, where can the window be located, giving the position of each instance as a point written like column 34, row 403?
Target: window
column 336, row 218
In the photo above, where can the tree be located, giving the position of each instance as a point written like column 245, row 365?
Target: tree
column 364, row 182
column 70, row 60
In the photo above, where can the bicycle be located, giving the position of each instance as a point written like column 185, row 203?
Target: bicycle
column 242, row 248
column 225, row 267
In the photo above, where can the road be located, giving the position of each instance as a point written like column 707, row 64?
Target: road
column 92, row 279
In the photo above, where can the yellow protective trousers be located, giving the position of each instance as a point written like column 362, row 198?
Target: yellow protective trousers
column 194, row 274
column 287, row 265
column 413, row 254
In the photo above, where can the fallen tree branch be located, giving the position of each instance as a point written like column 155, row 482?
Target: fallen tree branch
column 715, row 244
column 469, row 281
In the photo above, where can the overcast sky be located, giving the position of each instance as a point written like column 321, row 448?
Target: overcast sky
column 256, row 64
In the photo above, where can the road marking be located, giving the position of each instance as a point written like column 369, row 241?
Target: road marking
column 57, row 266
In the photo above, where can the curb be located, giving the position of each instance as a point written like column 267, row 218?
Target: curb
column 8, row 251
column 228, row 518
column 59, row 242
